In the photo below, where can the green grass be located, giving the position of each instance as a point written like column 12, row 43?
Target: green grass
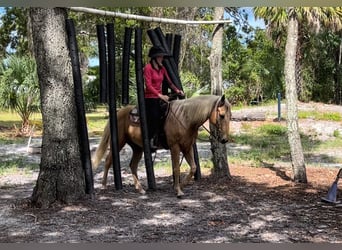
column 12, row 166
column 326, row 116
column 96, row 121
column 10, row 121
column 267, row 143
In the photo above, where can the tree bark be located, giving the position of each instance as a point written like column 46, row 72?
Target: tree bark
column 297, row 156
column 219, row 150
column 61, row 176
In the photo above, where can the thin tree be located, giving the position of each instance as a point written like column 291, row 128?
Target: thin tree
column 291, row 17
column 61, row 176
column 297, row 156
column 220, row 161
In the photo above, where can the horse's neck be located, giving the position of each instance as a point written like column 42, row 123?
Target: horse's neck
column 194, row 113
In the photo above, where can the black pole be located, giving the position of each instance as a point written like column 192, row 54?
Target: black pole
column 81, row 119
column 100, row 30
column 176, row 48
column 163, row 40
column 125, row 65
column 169, row 39
column 173, row 76
column 142, row 109
column 198, row 168
column 112, row 106
column 154, row 38
column 169, row 61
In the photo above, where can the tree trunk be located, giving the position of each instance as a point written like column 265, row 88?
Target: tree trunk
column 220, row 161
column 297, row 156
column 298, row 67
column 338, row 76
column 187, row 33
column 61, row 176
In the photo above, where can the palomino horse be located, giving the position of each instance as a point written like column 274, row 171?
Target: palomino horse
column 181, row 130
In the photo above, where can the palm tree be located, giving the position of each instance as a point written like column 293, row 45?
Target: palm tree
column 293, row 18
column 19, row 88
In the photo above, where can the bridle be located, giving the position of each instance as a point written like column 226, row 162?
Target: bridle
column 217, row 124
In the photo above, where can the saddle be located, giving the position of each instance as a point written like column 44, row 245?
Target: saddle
column 135, row 119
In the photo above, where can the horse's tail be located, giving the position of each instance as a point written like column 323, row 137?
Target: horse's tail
column 102, row 148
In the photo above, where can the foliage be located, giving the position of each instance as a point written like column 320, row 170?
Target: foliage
column 252, row 63
column 13, row 30
column 192, row 84
column 253, row 69
column 319, row 48
column 19, row 89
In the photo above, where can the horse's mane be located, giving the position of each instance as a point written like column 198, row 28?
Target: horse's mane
column 195, row 109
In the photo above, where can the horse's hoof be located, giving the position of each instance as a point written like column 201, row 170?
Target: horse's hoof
column 180, row 195
column 142, row 191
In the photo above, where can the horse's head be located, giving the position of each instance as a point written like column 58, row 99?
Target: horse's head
column 220, row 118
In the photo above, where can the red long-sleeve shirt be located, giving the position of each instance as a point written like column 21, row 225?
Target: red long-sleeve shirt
column 154, row 79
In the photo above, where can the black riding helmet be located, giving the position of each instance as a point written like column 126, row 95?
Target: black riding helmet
column 156, row 51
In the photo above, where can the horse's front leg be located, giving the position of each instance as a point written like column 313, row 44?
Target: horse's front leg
column 176, row 170
column 137, row 154
column 189, row 157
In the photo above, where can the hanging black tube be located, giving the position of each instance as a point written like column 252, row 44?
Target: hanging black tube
column 154, row 38
column 173, row 76
column 81, row 119
column 112, row 106
column 169, row 39
column 176, row 48
column 125, row 65
column 162, row 40
column 168, row 62
column 142, row 109
column 100, row 30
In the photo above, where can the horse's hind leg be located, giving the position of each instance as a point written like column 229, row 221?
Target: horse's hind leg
column 108, row 163
column 189, row 157
column 137, row 154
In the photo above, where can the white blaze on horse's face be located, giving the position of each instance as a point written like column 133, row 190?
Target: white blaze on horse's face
column 220, row 118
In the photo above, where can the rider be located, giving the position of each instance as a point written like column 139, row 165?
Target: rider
column 154, row 74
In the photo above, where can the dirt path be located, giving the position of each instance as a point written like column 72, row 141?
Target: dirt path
column 257, row 205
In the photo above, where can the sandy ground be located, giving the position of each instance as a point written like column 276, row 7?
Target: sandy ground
column 258, row 205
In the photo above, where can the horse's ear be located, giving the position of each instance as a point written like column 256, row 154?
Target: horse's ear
column 222, row 101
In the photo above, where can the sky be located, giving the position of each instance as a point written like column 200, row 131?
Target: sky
column 251, row 19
